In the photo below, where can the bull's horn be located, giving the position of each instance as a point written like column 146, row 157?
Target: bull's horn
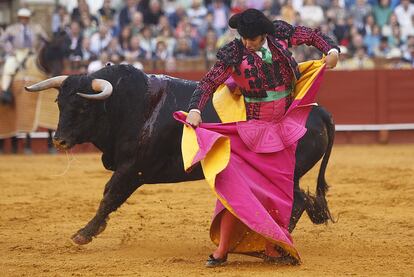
column 54, row 82
column 99, row 85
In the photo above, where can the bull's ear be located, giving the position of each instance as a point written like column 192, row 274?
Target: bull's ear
column 54, row 82
column 99, row 85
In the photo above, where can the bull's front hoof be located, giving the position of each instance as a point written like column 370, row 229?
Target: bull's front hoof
column 80, row 239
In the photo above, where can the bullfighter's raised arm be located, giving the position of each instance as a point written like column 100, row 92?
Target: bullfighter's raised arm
column 297, row 35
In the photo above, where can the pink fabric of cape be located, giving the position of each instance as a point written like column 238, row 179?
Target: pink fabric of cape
column 257, row 184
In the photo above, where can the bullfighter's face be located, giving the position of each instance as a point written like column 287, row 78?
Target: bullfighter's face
column 254, row 44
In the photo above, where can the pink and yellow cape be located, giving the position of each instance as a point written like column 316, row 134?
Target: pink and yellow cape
column 255, row 186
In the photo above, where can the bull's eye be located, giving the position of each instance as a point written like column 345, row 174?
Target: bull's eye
column 56, row 100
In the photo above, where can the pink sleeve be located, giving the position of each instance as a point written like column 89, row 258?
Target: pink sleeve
column 309, row 36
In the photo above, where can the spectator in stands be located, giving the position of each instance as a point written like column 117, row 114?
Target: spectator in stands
column 359, row 11
column 75, row 15
column 326, row 29
column 395, row 38
column 88, row 26
column 186, row 4
column 207, row 25
column 161, row 51
column 184, row 28
column 153, row 13
column 360, row 60
column 75, row 37
column 210, row 45
column 237, row 6
column 169, row 7
column 106, row 12
column 311, row 14
column 197, row 13
column 297, row 4
column 124, row 38
column 85, row 51
column 125, row 15
column 99, row 63
column 146, row 41
column 287, row 12
column 384, row 50
column 372, row 40
column 369, row 23
column 386, row 30
column 100, row 40
column 177, row 16
column 271, row 9
column 407, row 52
column 163, row 23
column 393, row 4
column 112, row 26
column 382, row 12
column 113, row 47
column 19, row 41
column 336, row 13
column 324, row 4
column 135, row 48
column 137, row 23
column 83, row 13
column 221, row 14
column 167, row 36
column 60, row 19
column 404, row 13
column 409, row 57
column 342, row 31
column 184, row 48
column 357, row 41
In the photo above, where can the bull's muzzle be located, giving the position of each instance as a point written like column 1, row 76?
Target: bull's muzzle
column 61, row 144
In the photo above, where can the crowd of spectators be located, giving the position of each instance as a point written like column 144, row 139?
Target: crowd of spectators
column 166, row 30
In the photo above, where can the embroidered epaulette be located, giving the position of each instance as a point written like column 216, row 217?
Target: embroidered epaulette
column 231, row 53
column 283, row 30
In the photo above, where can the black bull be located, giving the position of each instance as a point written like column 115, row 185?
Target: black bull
column 131, row 122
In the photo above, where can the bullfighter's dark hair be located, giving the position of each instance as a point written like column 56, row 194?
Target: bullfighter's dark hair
column 251, row 23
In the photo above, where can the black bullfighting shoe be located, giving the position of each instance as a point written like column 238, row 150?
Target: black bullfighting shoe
column 213, row 262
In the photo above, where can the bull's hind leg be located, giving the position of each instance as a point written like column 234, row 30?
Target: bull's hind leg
column 117, row 191
column 298, row 206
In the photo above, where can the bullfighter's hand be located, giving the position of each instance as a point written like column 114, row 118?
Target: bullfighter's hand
column 331, row 60
column 194, row 118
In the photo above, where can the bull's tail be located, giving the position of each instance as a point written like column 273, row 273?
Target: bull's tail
column 316, row 205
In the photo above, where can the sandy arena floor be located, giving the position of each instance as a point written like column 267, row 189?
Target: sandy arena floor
column 162, row 230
